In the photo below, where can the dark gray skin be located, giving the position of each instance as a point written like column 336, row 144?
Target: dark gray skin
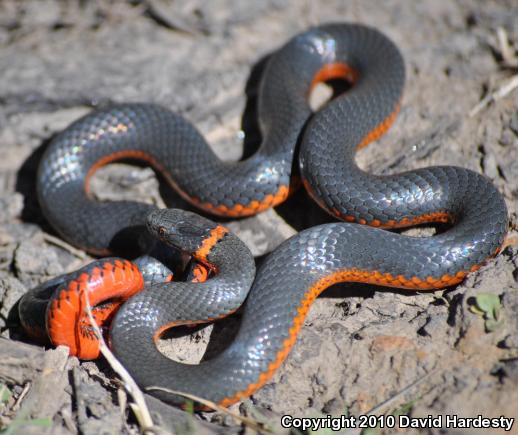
column 136, row 324
column 296, row 270
column 282, row 284
column 177, row 150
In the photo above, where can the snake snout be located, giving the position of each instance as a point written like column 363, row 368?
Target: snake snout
column 153, row 220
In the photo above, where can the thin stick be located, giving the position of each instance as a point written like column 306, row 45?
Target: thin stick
column 61, row 244
column 508, row 56
column 140, row 407
column 22, row 395
column 247, row 421
column 510, row 240
column 500, row 93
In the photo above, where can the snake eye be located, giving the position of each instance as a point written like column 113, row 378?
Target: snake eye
column 162, row 231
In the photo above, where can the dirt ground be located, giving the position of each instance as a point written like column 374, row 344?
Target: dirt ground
column 363, row 349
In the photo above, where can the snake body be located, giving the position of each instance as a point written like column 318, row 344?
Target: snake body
column 293, row 275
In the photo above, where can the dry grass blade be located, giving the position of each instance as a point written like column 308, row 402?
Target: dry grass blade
column 139, row 407
column 253, row 424
column 510, row 240
column 161, row 13
column 21, row 396
column 510, row 59
column 63, row 245
column 500, row 93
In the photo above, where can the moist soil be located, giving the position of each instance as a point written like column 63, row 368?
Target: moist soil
column 363, row 349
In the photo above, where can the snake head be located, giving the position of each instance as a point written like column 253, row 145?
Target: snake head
column 179, row 228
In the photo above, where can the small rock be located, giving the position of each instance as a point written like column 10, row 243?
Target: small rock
column 513, row 124
column 507, row 138
column 491, row 166
column 40, row 13
column 11, row 207
column 33, row 260
column 511, row 341
column 96, row 411
column 11, row 290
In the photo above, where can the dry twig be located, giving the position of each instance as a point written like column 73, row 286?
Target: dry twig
column 247, row 421
column 139, row 407
column 509, row 57
column 500, row 93
column 63, row 245
column 509, row 60
column 22, row 395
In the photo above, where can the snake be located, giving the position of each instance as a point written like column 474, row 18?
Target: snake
column 317, row 147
